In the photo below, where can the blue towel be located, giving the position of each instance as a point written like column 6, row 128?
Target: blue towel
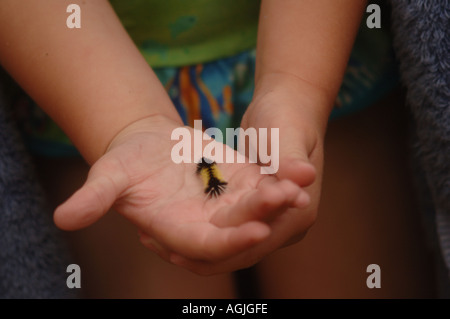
column 421, row 30
column 33, row 256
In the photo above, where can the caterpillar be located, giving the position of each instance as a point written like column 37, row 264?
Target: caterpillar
column 212, row 179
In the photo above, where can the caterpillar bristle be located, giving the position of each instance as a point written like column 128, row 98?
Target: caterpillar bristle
column 214, row 184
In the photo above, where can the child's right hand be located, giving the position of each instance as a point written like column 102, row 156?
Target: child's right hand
column 297, row 110
column 167, row 203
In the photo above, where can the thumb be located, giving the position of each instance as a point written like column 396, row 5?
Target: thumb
column 92, row 200
column 295, row 164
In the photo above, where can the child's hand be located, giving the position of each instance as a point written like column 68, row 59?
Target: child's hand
column 167, row 200
column 283, row 105
column 299, row 111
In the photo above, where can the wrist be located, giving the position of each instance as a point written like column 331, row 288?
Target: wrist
column 155, row 123
column 95, row 145
column 302, row 102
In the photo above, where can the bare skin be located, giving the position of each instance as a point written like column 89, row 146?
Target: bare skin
column 95, row 120
column 120, row 118
column 167, row 200
column 365, row 216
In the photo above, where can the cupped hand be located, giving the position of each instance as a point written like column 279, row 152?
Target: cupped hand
column 302, row 124
column 166, row 201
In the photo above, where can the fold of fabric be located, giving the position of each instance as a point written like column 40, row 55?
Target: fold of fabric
column 421, row 30
column 33, row 256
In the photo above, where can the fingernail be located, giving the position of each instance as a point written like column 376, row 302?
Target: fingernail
column 150, row 243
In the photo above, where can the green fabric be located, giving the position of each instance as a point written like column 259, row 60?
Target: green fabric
column 184, row 32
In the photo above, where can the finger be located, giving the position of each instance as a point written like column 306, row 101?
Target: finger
column 293, row 225
column 295, row 157
column 296, row 197
column 264, row 204
column 92, row 200
column 151, row 244
column 205, row 241
column 296, row 168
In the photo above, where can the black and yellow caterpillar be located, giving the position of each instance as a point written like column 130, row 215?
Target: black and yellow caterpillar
column 212, row 179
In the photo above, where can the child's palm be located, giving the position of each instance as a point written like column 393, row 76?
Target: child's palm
column 168, row 204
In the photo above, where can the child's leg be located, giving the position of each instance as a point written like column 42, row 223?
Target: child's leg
column 367, row 216
column 113, row 262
